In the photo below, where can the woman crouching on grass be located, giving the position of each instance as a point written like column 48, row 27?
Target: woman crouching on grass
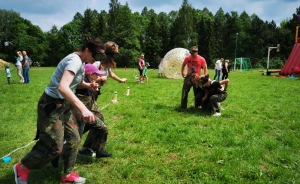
column 215, row 92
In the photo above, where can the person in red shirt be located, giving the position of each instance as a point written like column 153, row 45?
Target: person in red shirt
column 193, row 63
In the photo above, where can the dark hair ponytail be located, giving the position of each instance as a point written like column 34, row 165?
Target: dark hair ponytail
column 93, row 44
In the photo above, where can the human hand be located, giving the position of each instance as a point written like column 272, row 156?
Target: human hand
column 123, row 80
column 93, row 86
column 88, row 116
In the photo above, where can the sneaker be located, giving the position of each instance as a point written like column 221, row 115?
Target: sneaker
column 86, row 152
column 101, row 153
column 73, row 178
column 217, row 114
column 21, row 175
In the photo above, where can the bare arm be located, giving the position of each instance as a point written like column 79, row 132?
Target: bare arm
column 68, row 94
column 225, row 82
column 115, row 77
column 92, row 86
column 205, row 69
column 182, row 70
column 101, row 80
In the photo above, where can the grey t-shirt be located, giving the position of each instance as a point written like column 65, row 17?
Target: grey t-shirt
column 73, row 63
column 23, row 62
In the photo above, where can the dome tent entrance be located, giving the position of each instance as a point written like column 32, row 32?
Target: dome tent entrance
column 243, row 64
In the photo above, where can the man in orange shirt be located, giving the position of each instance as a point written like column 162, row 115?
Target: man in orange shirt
column 194, row 63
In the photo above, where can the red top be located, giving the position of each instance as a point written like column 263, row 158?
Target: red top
column 141, row 63
column 194, row 64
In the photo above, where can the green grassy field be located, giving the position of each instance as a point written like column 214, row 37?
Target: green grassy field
column 256, row 140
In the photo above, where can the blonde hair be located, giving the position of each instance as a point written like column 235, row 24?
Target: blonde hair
column 19, row 53
column 227, row 60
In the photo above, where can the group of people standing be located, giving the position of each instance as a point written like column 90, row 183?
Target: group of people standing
column 23, row 66
column 208, row 93
column 222, row 69
column 67, row 109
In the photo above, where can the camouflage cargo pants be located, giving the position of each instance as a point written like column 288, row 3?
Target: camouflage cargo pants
column 55, row 124
column 98, row 130
column 211, row 104
column 198, row 93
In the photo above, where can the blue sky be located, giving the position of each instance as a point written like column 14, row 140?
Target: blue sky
column 46, row 13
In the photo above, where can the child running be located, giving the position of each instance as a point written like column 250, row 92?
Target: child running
column 8, row 75
column 144, row 75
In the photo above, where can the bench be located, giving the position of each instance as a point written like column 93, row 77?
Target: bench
column 273, row 71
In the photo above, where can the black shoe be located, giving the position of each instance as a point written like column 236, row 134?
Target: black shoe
column 101, row 153
column 54, row 162
column 86, row 152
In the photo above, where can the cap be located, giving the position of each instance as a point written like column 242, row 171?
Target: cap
column 147, row 64
column 90, row 69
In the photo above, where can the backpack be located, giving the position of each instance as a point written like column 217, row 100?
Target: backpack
column 29, row 61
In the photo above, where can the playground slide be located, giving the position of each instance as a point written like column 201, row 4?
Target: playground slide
column 292, row 62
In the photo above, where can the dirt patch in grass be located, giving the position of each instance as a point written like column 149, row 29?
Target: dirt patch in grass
column 3, row 63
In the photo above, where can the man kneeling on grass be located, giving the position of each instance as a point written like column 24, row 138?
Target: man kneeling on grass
column 215, row 92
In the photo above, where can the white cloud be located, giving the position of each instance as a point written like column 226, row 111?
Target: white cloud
column 46, row 13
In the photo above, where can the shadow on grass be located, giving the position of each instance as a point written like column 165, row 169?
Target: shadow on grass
column 190, row 110
column 45, row 175
column 48, row 174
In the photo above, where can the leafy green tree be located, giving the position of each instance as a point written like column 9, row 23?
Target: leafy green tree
column 164, row 23
column 218, row 44
column 232, row 27
column 53, row 50
column 243, row 25
column 8, row 19
column 122, row 30
column 206, row 36
column 77, row 17
column 258, row 48
column 101, row 25
column 183, row 32
column 152, row 40
column 89, row 22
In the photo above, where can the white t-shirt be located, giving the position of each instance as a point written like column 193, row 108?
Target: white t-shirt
column 106, row 71
column 19, row 60
column 73, row 63
column 218, row 65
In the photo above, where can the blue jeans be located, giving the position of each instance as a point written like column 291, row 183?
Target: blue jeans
column 26, row 75
column 218, row 73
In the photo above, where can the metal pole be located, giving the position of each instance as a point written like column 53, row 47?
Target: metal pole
column 235, row 49
column 269, row 49
column 268, row 58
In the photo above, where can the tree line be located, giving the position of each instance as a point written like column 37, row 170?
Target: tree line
column 226, row 35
